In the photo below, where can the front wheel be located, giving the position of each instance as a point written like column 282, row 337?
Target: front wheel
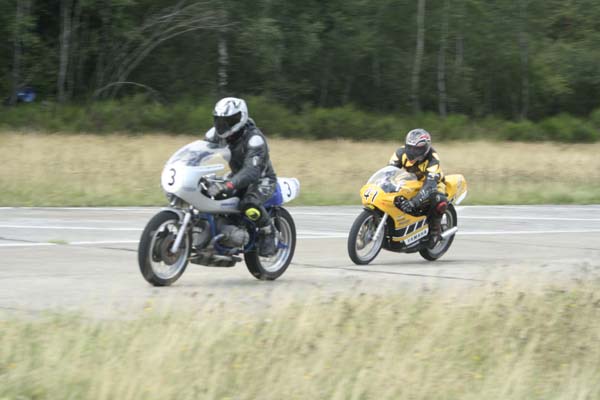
column 362, row 249
column 271, row 268
column 157, row 264
column 449, row 220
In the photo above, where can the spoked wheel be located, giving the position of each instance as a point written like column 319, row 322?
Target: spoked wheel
column 362, row 249
column 449, row 220
column 271, row 268
column 158, row 264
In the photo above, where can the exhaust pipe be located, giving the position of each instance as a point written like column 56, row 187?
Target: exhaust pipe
column 449, row 232
column 216, row 239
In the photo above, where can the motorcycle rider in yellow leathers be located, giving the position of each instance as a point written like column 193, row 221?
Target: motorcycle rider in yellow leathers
column 419, row 157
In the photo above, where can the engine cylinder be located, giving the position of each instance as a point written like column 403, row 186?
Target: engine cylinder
column 234, row 236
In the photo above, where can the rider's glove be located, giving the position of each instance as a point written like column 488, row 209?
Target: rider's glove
column 407, row 206
column 220, row 188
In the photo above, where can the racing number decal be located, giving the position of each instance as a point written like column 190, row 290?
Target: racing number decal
column 370, row 193
column 289, row 189
column 172, row 181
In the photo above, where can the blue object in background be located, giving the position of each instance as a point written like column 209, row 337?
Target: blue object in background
column 26, row 95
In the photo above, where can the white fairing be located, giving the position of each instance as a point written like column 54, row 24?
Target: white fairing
column 181, row 175
column 290, row 188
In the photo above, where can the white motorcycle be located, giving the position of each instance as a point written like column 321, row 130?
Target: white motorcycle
column 207, row 231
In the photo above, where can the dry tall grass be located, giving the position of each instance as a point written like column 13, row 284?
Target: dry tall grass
column 494, row 344
column 42, row 169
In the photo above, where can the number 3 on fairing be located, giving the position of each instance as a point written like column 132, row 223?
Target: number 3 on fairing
column 370, row 193
column 289, row 188
column 172, row 181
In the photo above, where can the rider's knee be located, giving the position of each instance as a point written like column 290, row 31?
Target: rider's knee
column 253, row 213
column 441, row 207
column 439, row 202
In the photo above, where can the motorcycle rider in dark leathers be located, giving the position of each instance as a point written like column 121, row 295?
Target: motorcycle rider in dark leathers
column 252, row 174
column 419, row 157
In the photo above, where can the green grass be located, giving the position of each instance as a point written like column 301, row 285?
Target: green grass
column 120, row 170
column 492, row 343
column 58, row 241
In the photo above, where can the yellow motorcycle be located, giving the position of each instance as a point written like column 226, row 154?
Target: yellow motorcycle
column 383, row 225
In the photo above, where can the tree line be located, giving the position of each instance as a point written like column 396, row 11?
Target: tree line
column 516, row 59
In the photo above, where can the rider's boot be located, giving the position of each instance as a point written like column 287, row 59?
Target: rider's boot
column 435, row 231
column 435, row 219
column 266, row 241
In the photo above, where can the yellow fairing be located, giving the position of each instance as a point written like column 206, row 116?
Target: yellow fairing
column 456, row 188
column 373, row 196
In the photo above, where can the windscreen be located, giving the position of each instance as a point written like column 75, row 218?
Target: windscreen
column 391, row 179
column 200, row 153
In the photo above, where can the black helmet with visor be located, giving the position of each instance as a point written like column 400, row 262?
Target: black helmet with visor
column 226, row 123
column 418, row 144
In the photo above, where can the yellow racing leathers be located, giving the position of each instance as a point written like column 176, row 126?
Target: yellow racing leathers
column 431, row 199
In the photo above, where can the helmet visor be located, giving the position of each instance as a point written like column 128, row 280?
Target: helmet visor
column 224, row 124
column 416, row 153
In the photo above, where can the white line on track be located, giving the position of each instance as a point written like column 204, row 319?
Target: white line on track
column 331, row 235
column 49, row 244
column 137, row 209
column 69, row 243
column 296, row 210
column 308, row 236
column 517, row 218
column 26, row 244
column 325, row 214
column 304, row 232
column 499, row 217
column 70, row 228
column 91, row 228
column 475, row 233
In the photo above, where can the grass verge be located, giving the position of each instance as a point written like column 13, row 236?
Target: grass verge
column 489, row 344
column 79, row 170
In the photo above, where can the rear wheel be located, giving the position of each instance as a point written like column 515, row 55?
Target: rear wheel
column 449, row 220
column 157, row 264
column 271, row 268
column 362, row 249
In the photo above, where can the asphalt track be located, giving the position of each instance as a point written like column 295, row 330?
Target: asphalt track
column 84, row 260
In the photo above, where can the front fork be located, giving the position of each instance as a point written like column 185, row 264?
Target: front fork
column 181, row 233
column 380, row 227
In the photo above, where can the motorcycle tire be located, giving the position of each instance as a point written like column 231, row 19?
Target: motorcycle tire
column 271, row 268
column 153, row 250
column 442, row 247
column 366, row 217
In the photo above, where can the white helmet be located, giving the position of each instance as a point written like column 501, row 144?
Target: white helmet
column 230, row 115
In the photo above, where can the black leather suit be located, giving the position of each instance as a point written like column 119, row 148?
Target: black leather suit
column 252, row 172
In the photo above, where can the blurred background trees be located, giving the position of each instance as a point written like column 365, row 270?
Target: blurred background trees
column 512, row 59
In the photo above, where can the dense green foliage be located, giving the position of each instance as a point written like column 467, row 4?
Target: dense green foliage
column 138, row 116
column 518, row 60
